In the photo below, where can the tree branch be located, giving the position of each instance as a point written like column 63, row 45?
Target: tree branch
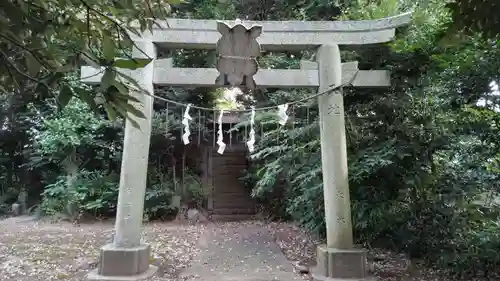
column 13, row 65
column 117, row 24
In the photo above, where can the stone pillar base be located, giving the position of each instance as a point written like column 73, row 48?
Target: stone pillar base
column 340, row 264
column 120, row 264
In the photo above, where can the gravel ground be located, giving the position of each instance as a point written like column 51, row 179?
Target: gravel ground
column 32, row 251
column 36, row 251
column 300, row 248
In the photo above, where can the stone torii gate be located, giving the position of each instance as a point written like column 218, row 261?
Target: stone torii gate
column 126, row 258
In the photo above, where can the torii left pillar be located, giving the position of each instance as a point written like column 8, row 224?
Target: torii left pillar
column 126, row 258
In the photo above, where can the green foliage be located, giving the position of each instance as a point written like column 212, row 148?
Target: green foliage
column 367, row 9
column 75, row 126
column 195, row 195
column 476, row 15
column 422, row 170
column 89, row 192
column 96, row 194
column 43, row 41
column 86, row 148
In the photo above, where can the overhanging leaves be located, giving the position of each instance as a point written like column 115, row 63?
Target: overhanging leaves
column 131, row 63
column 40, row 38
column 65, row 95
column 477, row 16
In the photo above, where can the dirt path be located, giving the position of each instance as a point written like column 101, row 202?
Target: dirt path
column 40, row 251
column 36, row 251
column 240, row 253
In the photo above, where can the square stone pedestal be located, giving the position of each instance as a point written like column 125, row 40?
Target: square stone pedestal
column 120, row 264
column 340, row 264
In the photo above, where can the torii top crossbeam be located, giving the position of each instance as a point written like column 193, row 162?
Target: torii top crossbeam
column 279, row 35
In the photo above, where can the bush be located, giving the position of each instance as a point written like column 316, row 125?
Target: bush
column 4, row 209
column 474, row 251
column 159, row 193
column 195, row 195
column 94, row 193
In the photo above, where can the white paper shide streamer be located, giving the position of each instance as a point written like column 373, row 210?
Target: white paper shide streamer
column 220, row 142
column 282, row 108
column 251, row 135
column 185, row 121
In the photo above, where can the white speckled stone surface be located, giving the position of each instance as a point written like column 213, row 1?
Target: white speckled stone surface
column 280, row 35
column 164, row 75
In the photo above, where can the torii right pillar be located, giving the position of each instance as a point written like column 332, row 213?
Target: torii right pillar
column 339, row 259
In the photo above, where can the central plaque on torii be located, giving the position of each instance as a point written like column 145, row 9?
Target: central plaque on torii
column 237, row 51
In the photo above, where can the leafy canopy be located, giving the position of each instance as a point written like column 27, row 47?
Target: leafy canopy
column 477, row 15
column 42, row 41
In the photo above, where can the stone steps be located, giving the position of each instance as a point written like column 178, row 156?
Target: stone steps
column 236, row 205
column 239, row 217
column 239, row 202
column 231, row 200
column 232, row 191
column 235, row 211
column 233, row 197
